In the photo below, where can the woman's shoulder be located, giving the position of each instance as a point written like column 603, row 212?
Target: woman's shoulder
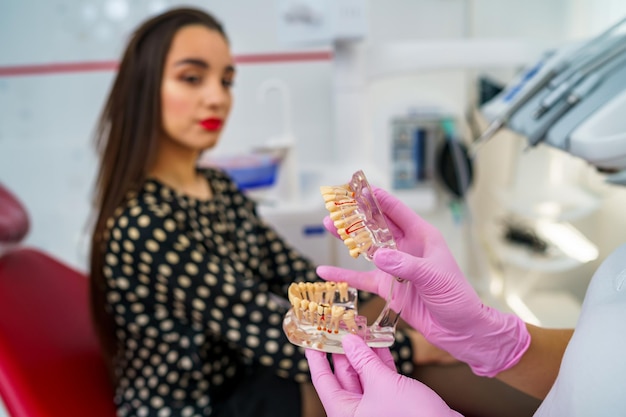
column 145, row 209
column 223, row 183
column 219, row 179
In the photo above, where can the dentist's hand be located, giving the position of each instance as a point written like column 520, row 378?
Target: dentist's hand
column 440, row 303
column 365, row 383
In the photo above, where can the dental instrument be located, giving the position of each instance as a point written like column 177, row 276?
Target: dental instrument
column 549, row 73
column 579, row 109
column 580, row 90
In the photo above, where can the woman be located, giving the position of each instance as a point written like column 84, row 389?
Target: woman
column 183, row 271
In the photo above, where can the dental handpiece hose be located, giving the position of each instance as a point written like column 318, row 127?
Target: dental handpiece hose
column 582, row 90
column 586, row 54
column 566, row 87
column 547, row 78
column 585, row 58
column 503, row 119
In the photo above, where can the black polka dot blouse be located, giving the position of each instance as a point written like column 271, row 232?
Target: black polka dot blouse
column 192, row 287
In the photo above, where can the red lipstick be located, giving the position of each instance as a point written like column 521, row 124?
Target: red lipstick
column 211, row 124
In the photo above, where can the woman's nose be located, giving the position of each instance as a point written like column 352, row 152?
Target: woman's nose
column 215, row 94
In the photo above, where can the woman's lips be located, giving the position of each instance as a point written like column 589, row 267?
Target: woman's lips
column 211, row 124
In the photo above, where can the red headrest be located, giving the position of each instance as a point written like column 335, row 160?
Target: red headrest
column 14, row 221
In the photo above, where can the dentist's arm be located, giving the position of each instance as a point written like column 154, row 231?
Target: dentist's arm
column 536, row 371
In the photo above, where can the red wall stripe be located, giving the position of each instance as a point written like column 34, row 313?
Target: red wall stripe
column 283, row 57
column 88, row 66
column 57, row 68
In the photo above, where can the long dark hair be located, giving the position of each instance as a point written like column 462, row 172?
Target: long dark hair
column 126, row 137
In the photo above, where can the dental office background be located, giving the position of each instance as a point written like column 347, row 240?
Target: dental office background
column 328, row 80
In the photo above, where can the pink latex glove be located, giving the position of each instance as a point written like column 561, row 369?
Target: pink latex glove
column 441, row 303
column 365, row 383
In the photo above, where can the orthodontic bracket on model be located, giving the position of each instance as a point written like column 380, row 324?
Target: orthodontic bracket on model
column 322, row 313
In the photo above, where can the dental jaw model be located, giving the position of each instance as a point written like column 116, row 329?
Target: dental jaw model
column 323, row 312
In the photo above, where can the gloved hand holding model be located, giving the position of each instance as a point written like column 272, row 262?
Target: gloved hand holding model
column 442, row 304
column 365, row 383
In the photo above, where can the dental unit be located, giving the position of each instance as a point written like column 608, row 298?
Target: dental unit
column 573, row 99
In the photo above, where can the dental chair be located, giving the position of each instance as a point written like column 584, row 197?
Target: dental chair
column 50, row 360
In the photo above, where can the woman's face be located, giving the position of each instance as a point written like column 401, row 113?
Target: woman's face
column 196, row 88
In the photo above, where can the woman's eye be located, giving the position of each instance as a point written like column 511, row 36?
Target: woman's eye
column 191, row 79
column 227, row 82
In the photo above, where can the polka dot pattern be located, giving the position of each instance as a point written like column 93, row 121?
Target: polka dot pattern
column 187, row 283
column 184, row 287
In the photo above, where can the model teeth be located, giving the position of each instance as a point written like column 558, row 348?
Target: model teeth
column 323, row 313
column 314, row 303
column 348, row 220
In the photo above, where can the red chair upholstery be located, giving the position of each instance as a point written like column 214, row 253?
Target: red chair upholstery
column 50, row 361
column 14, row 221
